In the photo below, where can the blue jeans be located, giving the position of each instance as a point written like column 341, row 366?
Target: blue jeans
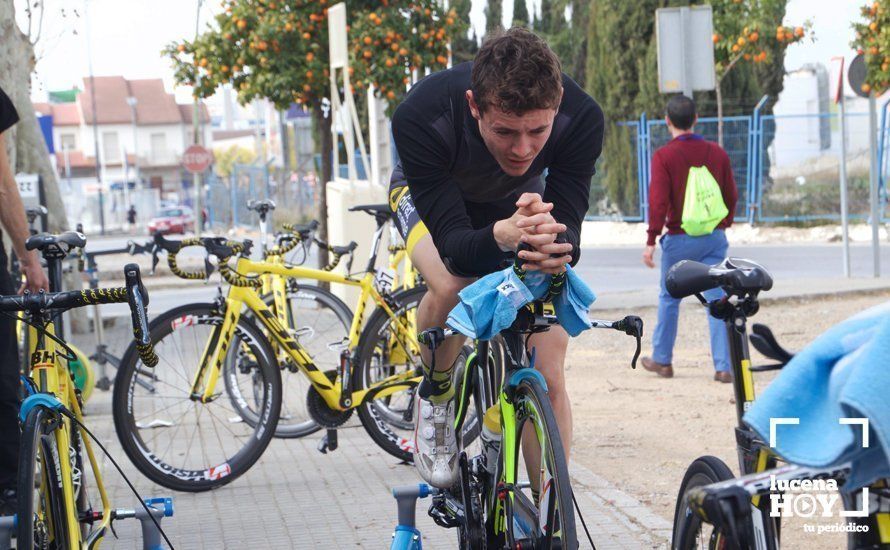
column 708, row 249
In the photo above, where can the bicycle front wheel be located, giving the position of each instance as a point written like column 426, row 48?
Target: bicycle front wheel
column 41, row 503
column 690, row 532
column 541, row 514
column 177, row 440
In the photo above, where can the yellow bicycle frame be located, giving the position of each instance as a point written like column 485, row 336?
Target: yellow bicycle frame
column 52, row 377
column 207, row 375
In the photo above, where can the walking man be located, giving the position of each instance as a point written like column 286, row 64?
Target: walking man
column 667, row 197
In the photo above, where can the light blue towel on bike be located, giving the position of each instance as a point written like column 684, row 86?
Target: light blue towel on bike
column 489, row 305
column 845, row 373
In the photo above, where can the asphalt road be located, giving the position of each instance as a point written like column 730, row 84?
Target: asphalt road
column 614, row 270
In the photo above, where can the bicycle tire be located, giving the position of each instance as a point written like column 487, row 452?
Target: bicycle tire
column 250, row 441
column 531, row 402
column 37, row 454
column 294, row 384
column 379, row 420
column 703, row 471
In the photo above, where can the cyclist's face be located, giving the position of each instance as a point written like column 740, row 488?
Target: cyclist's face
column 513, row 140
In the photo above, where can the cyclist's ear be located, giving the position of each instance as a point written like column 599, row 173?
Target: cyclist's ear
column 474, row 108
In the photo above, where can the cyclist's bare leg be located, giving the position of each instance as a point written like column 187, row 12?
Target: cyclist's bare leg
column 550, row 356
column 439, row 300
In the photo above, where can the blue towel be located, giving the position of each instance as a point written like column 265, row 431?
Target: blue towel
column 845, row 373
column 489, row 305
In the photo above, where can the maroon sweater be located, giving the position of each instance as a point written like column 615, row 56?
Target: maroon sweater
column 667, row 189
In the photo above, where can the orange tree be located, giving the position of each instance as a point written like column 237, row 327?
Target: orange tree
column 873, row 40
column 750, row 31
column 278, row 50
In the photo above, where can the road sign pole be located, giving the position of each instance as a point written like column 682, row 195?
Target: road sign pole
column 873, row 182
column 841, row 109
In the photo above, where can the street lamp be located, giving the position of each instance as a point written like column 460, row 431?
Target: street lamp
column 131, row 101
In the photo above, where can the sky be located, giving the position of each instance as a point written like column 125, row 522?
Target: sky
column 126, row 36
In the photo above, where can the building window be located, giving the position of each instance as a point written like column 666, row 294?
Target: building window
column 111, row 148
column 68, row 141
column 158, row 146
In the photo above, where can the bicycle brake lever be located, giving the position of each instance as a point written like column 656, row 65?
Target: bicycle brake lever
column 154, row 257
column 208, row 267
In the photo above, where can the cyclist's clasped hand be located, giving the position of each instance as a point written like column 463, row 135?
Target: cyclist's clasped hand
column 540, row 230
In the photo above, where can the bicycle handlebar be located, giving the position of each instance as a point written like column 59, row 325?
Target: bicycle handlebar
column 134, row 293
column 220, row 247
column 631, row 325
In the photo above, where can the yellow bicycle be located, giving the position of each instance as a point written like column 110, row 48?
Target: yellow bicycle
column 54, row 510
column 209, row 398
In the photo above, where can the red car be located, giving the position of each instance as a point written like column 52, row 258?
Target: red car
column 177, row 219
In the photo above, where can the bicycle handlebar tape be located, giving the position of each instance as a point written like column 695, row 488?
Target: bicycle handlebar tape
column 137, row 297
column 687, row 277
column 237, row 280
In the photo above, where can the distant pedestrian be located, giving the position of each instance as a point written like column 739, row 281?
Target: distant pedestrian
column 131, row 218
column 693, row 234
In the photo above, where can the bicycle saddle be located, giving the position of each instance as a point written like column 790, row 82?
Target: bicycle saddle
column 380, row 212
column 736, row 276
column 261, row 207
column 46, row 242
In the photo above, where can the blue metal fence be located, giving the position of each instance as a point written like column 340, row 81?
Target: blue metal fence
column 785, row 166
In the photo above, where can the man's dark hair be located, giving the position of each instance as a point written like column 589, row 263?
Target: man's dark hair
column 516, row 72
column 680, row 111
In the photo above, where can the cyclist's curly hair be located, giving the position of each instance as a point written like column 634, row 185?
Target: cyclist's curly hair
column 516, row 72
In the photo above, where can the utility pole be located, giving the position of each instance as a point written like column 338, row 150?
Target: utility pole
column 86, row 17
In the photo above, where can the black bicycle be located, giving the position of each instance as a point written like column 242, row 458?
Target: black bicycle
column 714, row 509
column 514, row 492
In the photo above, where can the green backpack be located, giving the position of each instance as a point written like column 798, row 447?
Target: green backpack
column 703, row 206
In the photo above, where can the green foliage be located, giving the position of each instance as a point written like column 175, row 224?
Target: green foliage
column 225, row 159
column 520, row 14
column 463, row 48
column 494, row 16
column 873, row 40
column 279, row 50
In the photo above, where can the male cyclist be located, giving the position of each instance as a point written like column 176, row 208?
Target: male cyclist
column 474, row 142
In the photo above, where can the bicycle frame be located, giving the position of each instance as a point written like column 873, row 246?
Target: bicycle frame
column 338, row 397
column 51, row 377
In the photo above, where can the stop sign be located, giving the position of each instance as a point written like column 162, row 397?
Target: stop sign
column 196, row 159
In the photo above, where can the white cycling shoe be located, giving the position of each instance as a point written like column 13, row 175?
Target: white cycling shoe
column 435, row 445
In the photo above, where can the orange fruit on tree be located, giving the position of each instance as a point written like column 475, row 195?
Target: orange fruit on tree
column 873, row 50
column 394, row 47
column 203, row 62
column 403, row 51
column 735, row 48
column 442, row 59
column 865, row 88
column 367, row 40
column 309, row 75
column 873, row 26
column 181, row 48
column 367, row 54
column 449, row 20
column 391, row 94
column 715, row 38
column 306, row 36
column 310, row 56
column 747, row 56
column 799, row 32
column 389, row 63
column 885, row 66
column 741, row 41
column 307, row 88
column 753, row 36
column 224, row 68
column 288, row 27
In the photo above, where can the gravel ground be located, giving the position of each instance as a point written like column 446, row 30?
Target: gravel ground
column 641, row 432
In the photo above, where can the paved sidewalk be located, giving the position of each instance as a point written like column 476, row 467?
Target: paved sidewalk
column 296, row 497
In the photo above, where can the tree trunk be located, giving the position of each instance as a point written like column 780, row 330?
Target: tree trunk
column 323, row 124
column 25, row 145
